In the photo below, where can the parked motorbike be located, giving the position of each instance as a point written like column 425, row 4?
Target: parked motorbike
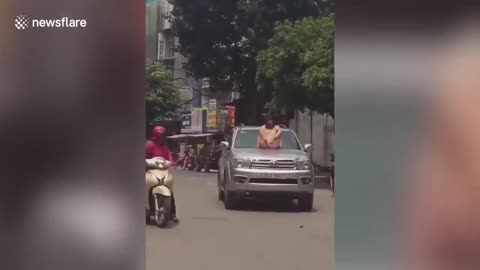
column 208, row 160
column 191, row 162
column 181, row 161
column 159, row 187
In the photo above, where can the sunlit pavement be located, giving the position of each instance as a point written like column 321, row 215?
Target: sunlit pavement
column 260, row 236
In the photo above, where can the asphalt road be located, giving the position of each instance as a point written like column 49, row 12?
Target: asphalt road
column 260, row 236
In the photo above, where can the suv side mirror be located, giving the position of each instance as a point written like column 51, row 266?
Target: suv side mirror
column 308, row 147
column 224, row 145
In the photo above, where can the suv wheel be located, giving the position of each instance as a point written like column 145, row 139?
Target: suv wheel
column 229, row 200
column 221, row 194
column 305, row 203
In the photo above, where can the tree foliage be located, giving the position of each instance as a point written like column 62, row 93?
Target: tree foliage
column 221, row 39
column 298, row 65
column 161, row 95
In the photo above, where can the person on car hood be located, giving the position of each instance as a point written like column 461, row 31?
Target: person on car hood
column 269, row 135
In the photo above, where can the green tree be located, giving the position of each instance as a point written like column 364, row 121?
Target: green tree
column 298, row 66
column 221, row 39
column 161, row 95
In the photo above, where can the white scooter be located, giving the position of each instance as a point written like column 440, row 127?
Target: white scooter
column 159, row 187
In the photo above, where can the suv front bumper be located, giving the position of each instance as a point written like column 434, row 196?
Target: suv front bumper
column 264, row 180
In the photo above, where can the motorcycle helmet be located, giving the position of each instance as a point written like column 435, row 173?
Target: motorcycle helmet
column 158, row 132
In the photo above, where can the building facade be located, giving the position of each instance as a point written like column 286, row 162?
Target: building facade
column 160, row 46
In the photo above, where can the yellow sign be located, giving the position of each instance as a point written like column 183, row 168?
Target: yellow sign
column 212, row 119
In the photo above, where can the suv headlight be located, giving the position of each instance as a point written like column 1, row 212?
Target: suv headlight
column 304, row 165
column 242, row 163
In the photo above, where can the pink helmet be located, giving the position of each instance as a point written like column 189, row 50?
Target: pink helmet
column 158, row 132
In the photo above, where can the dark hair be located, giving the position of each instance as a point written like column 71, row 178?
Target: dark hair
column 267, row 118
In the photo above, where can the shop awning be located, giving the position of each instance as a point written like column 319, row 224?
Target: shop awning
column 179, row 136
column 185, row 136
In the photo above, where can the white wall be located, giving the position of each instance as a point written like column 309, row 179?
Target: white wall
column 151, row 28
column 322, row 131
column 168, row 9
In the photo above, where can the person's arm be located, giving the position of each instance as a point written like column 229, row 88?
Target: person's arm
column 278, row 132
column 148, row 151
column 260, row 138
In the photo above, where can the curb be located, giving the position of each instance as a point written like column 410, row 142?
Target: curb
column 322, row 182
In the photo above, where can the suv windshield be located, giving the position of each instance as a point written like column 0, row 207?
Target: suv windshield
column 248, row 139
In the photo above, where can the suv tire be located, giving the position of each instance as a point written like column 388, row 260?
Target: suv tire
column 305, row 203
column 221, row 194
column 229, row 200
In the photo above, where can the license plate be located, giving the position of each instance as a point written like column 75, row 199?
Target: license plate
column 269, row 175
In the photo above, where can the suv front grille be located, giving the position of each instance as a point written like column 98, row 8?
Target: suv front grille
column 273, row 164
column 273, row 181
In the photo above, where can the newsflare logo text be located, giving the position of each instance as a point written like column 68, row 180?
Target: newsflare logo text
column 22, row 22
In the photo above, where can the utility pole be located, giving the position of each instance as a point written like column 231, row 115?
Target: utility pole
column 311, row 133
column 196, row 95
column 197, row 100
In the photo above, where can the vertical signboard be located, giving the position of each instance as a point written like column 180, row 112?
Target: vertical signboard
column 212, row 125
column 221, row 119
column 196, row 121
column 199, row 120
column 212, row 104
column 186, row 122
column 212, row 121
column 231, row 116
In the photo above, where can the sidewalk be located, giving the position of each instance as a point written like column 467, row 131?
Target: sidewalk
column 322, row 177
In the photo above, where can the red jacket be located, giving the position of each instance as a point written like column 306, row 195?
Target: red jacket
column 154, row 149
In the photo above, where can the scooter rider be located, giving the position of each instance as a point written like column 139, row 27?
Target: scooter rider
column 157, row 147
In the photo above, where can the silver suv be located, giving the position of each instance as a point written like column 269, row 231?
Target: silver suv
column 245, row 170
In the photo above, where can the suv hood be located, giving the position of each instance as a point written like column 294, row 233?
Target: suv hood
column 283, row 154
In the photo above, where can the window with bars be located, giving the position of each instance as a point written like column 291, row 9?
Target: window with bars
column 161, row 49
column 170, row 48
